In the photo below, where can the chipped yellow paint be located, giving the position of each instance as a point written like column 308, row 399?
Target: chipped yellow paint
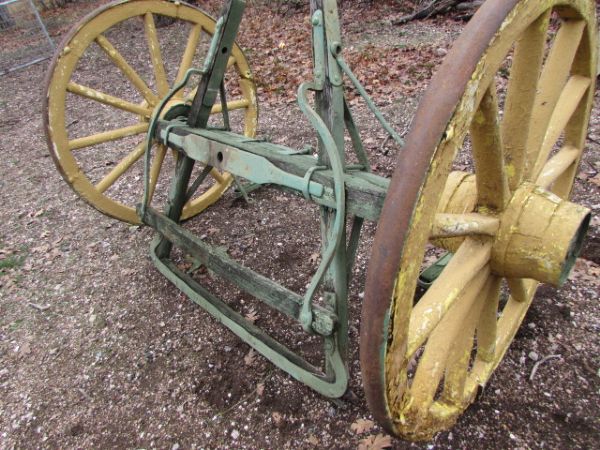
column 519, row 231
column 95, row 29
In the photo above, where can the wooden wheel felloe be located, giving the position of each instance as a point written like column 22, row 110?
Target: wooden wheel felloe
column 102, row 91
column 513, row 96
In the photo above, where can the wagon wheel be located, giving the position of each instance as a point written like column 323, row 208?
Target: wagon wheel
column 523, row 125
column 97, row 115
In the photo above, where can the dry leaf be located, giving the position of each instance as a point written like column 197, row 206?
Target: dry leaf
column 378, row 442
column 312, row 440
column 277, row 419
column 250, row 357
column 313, row 258
column 260, row 388
column 362, row 426
column 252, row 316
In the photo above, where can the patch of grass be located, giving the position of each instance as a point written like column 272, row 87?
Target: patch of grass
column 14, row 326
column 11, row 262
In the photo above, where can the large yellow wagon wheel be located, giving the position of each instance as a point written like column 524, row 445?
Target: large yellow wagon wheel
column 514, row 97
column 104, row 83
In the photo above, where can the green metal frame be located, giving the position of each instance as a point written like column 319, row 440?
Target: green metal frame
column 339, row 189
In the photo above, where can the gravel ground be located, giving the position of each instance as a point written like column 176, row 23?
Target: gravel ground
column 98, row 350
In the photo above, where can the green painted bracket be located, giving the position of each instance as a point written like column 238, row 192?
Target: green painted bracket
column 333, row 386
column 429, row 275
column 243, row 164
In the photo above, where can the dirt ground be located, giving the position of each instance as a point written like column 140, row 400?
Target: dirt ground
column 98, row 350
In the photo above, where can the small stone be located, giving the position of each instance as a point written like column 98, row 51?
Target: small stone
column 531, row 325
column 97, row 321
column 533, row 356
column 235, row 434
column 175, row 446
column 441, row 52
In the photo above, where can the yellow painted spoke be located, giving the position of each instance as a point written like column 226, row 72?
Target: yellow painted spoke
column 519, row 289
column 552, row 81
column 459, row 357
column 217, row 176
column 155, row 169
column 442, row 340
column 121, row 168
column 486, row 328
column 569, row 99
column 157, row 63
column 106, row 99
column 188, row 54
column 230, row 62
column 127, row 70
column 454, row 225
column 521, row 92
column 557, row 165
column 465, row 266
column 231, row 106
column 107, row 136
column 492, row 184
column 511, row 318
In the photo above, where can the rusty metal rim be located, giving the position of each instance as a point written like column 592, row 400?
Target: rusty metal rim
column 434, row 112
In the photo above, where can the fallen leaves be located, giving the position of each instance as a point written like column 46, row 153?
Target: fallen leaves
column 314, row 258
column 252, row 316
column 250, row 357
column 377, row 442
column 586, row 271
column 278, row 419
column 362, row 426
column 260, row 389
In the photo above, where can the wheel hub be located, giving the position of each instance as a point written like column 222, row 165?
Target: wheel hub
column 540, row 236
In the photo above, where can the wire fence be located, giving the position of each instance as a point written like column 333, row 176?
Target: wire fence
column 24, row 39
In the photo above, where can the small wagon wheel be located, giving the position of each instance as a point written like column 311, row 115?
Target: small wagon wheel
column 514, row 97
column 100, row 155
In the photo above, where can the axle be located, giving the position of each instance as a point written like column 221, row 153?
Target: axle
column 279, row 166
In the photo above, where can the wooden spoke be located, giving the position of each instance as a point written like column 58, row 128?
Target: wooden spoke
column 108, row 136
column 121, row 168
column 67, row 70
column 157, row 163
column 127, row 70
column 568, row 101
column 188, row 54
column 446, row 336
column 160, row 75
column 463, row 269
column 492, row 184
column 218, row 176
column 552, row 81
column 231, row 106
column 455, row 225
column 119, row 103
column 512, row 316
column 526, row 66
column 486, row 328
column 217, row 108
column 557, row 165
column 519, row 289
column 459, row 356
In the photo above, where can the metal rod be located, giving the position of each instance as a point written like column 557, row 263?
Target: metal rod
column 368, row 100
column 42, row 26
